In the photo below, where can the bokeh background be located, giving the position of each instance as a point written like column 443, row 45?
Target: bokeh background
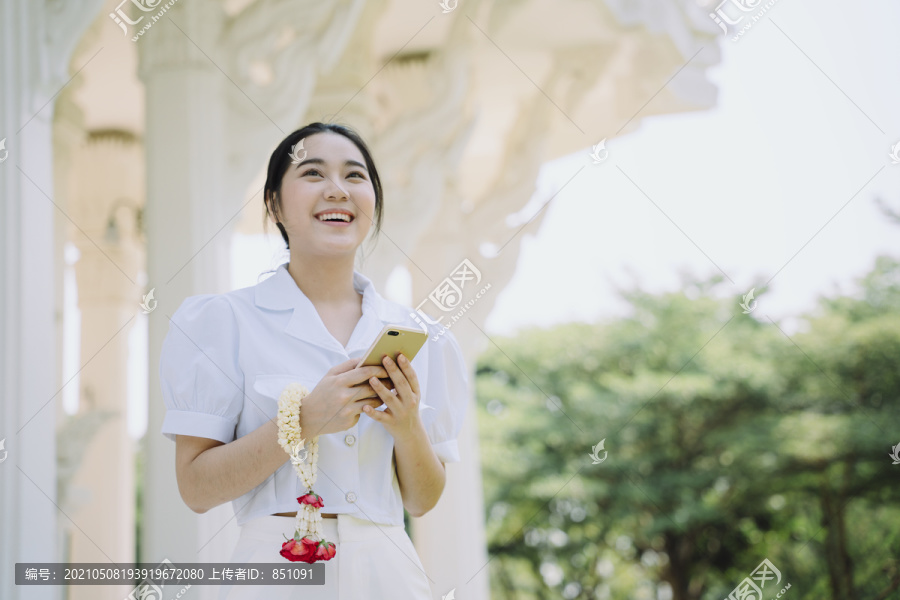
column 684, row 331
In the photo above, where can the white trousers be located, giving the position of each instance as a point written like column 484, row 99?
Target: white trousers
column 372, row 560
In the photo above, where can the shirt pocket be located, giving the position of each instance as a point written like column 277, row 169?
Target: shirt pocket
column 268, row 386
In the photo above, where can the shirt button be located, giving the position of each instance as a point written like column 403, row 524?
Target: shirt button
column 350, row 440
column 351, row 497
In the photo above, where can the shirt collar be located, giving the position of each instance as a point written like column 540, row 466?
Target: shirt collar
column 280, row 292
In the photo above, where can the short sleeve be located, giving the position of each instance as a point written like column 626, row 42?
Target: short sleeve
column 200, row 378
column 446, row 397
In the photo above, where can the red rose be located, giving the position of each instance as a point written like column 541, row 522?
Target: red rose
column 302, row 551
column 312, row 499
column 325, row 551
column 308, row 552
column 286, row 550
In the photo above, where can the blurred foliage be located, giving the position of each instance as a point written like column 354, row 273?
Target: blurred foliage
column 730, row 439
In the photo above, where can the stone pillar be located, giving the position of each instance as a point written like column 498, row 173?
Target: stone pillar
column 28, row 369
column 188, row 241
column 106, row 204
column 37, row 42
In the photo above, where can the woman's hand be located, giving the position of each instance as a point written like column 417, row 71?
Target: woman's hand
column 401, row 417
column 338, row 399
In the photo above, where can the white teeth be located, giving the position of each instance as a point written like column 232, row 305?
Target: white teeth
column 342, row 216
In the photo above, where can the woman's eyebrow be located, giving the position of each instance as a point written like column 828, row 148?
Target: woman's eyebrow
column 319, row 161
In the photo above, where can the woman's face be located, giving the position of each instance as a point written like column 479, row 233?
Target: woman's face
column 327, row 200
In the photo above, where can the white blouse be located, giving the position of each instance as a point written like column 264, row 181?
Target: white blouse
column 227, row 357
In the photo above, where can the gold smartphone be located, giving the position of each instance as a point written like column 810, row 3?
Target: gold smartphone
column 393, row 341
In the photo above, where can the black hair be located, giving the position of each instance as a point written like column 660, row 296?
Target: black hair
column 281, row 159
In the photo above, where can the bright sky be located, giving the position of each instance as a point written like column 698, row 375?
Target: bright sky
column 745, row 185
column 749, row 182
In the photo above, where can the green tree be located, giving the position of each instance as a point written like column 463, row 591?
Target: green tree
column 728, row 441
column 843, row 380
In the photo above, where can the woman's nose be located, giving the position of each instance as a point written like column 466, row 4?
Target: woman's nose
column 335, row 191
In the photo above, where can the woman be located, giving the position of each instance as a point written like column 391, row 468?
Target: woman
column 227, row 358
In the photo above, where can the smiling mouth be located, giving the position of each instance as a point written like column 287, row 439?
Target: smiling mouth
column 335, row 217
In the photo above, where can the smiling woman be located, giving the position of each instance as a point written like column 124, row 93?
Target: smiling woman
column 228, row 358
column 356, row 182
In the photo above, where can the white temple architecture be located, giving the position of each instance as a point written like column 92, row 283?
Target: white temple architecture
column 138, row 131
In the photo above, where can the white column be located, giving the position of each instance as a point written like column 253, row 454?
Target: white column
column 33, row 67
column 28, row 374
column 110, row 185
column 188, row 244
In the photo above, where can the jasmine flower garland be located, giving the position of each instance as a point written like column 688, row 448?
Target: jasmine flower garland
column 307, row 544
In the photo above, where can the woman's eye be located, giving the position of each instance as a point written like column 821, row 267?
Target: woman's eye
column 310, row 172
column 357, row 173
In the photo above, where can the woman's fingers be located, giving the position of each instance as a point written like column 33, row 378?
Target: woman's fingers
column 354, row 375
column 383, row 391
column 366, row 392
column 401, row 383
column 357, row 376
column 371, row 403
column 409, row 372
